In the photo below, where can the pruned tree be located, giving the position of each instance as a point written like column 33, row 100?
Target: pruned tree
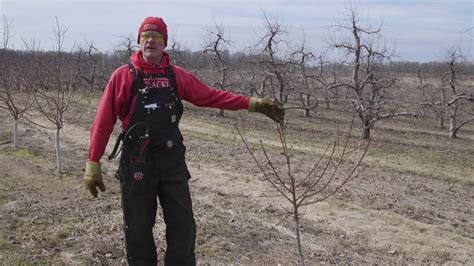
column 458, row 96
column 254, row 80
column 92, row 68
column 249, row 81
column 328, row 80
column 433, row 98
column 56, row 94
column 273, row 60
column 322, row 180
column 302, row 58
column 368, row 86
column 179, row 55
column 14, row 96
column 319, row 81
column 216, row 48
column 125, row 48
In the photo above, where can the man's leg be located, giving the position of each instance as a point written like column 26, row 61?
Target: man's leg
column 139, row 203
column 175, row 200
column 139, row 212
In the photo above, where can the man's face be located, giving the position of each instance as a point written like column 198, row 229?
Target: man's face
column 152, row 44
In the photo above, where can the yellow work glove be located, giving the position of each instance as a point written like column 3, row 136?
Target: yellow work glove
column 93, row 178
column 267, row 107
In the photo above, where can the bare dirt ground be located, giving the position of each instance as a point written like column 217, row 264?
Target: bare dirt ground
column 413, row 204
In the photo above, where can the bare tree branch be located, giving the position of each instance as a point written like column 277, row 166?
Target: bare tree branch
column 459, row 97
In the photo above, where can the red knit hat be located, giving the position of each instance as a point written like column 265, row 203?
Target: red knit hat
column 153, row 24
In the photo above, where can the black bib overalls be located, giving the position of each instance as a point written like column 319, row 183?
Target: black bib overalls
column 153, row 164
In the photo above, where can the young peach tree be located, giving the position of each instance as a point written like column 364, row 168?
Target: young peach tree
column 324, row 179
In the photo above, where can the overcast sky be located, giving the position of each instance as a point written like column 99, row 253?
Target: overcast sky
column 418, row 29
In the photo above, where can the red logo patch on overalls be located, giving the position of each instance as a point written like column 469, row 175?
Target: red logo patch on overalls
column 138, row 176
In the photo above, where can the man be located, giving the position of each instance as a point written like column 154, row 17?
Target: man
column 146, row 96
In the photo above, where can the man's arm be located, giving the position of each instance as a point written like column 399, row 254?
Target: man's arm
column 193, row 90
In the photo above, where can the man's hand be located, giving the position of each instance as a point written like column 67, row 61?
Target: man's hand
column 93, row 178
column 267, row 107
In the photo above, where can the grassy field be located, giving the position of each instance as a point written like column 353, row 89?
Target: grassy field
column 412, row 204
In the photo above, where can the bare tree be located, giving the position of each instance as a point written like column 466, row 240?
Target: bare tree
column 13, row 96
column 92, row 68
column 179, row 55
column 303, row 57
column 277, row 66
column 321, row 182
column 216, row 47
column 56, row 87
column 249, row 81
column 368, row 86
column 124, row 50
column 433, row 98
column 328, row 80
column 317, row 80
column 458, row 97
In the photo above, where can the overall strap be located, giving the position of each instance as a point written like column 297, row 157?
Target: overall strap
column 135, row 85
column 134, row 89
column 172, row 78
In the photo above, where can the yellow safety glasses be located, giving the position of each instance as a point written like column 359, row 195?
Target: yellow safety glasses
column 158, row 37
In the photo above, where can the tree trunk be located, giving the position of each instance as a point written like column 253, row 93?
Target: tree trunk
column 454, row 134
column 298, row 236
column 305, row 99
column 16, row 141
column 453, row 122
column 58, row 153
column 366, row 130
column 282, row 98
column 441, row 122
column 366, row 134
column 336, row 96
column 326, row 99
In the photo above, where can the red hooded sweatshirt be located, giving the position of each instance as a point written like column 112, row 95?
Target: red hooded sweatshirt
column 116, row 96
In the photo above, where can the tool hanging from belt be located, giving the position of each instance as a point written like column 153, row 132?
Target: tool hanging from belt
column 122, row 138
column 114, row 153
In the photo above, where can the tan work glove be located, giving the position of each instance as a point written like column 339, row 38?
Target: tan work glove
column 267, row 107
column 93, row 178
